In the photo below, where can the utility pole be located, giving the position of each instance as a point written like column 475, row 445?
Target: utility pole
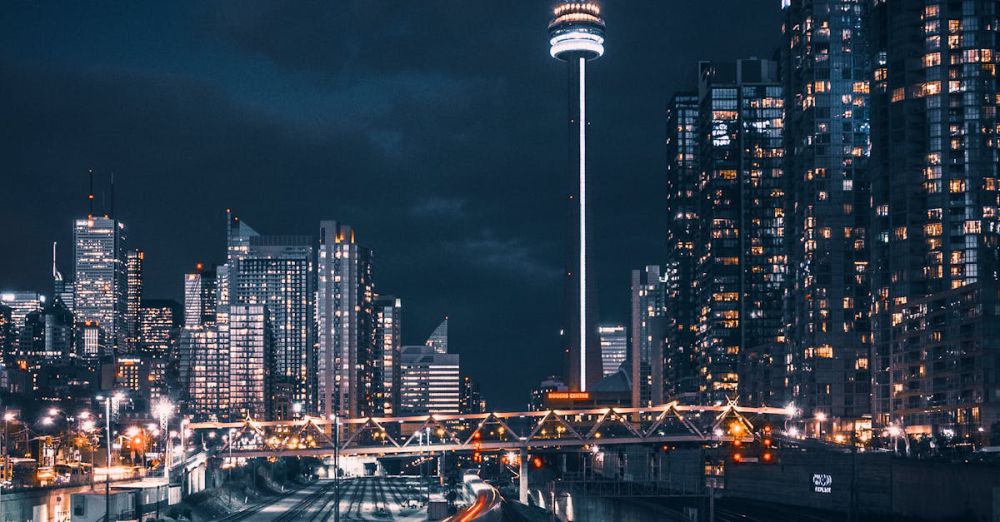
column 107, row 475
column 336, row 467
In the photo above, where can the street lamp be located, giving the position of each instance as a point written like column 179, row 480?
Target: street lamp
column 164, row 409
column 336, row 465
column 820, row 419
column 7, row 417
column 107, row 437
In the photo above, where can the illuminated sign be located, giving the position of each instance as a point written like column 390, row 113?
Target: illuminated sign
column 822, row 483
column 572, row 396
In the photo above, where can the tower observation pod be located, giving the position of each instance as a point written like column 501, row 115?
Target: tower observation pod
column 576, row 37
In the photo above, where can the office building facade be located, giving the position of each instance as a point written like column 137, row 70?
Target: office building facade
column 740, row 275
column 934, row 229
column 649, row 316
column 100, row 278
column 279, row 273
column 134, row 260
column 250, row 347
column 826, row 74
column 346, row 324
column 614, row 347
column 430, row 381
column 388, row 341
column 682, row 203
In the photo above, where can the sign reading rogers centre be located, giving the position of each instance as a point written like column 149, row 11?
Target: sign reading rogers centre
column 574, row 396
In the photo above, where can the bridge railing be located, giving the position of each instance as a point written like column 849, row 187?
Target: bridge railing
column 494, row 431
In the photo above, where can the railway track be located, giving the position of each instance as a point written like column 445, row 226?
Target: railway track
column 303, row 507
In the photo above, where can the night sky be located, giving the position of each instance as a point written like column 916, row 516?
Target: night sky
column 435, row 128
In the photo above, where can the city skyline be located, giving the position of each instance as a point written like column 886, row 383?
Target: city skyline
column 606, row 263
column 510, row 259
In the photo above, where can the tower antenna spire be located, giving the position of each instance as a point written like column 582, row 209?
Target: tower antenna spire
column 55, row 271
column 90, row 194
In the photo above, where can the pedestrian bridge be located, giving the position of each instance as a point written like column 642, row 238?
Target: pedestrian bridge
column 495, row 431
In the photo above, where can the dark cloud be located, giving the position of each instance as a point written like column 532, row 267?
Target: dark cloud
column 435, row 128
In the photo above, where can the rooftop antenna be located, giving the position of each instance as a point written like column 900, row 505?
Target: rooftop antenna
column 55, row 271
column 112, row 195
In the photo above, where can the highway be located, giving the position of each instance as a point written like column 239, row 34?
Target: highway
column 365, row 498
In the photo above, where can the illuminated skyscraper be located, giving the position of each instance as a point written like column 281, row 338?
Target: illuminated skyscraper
column 935, row 223
column 740, row 276
column 249, row 349
column 207, row 382
column 826, row 77
column 576, row 37
column 430, row 381
column 133, row 271
column 279, row 273
column 346, row 365
column 100, row 280
column 649, row 322
column 200, row 297
column 614, row 347
column 388, row 340
column 681, row 365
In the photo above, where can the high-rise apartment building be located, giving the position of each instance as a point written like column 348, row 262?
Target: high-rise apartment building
column 826, row 83
column 279, row 272
column 388, row 341
column 133, row 296
column 614, row 347
column 935, row 222
column 430, row 381
column 207, row 379
column 681, row 364
column 250, row 346
column 740, row 274
column 649, row 322
column 346, row 365
column 100, row 279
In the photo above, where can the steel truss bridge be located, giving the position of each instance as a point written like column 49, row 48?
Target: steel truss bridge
column 491, row 432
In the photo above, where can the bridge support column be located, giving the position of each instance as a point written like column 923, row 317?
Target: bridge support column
column 523, row 483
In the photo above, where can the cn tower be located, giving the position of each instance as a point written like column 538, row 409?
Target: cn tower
column 576, row 37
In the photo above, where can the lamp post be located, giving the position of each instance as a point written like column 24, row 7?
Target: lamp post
column 820, row 419
column 336, row 467
column 184, row 458
column 163, row 409
column 7, row 417
column 107, row 440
